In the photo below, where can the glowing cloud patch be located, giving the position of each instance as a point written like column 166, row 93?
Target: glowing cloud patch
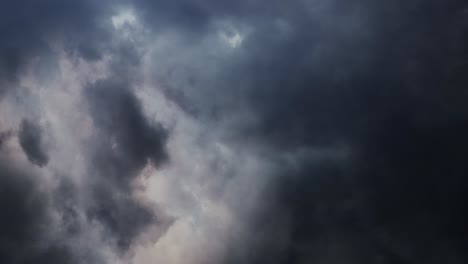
column 125, row 17
column 232, row 37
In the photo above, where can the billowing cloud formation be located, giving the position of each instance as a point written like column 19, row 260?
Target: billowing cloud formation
column 308, row 131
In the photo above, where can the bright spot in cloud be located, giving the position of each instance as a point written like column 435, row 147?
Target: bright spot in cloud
column 232, row 37
column 124, row 17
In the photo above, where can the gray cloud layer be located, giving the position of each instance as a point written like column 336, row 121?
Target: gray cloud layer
column 233, row 132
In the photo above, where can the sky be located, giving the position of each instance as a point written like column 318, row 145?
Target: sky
column 233, row 132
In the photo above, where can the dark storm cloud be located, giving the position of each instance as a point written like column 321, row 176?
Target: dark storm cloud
column 26, row 220
column 401, row 199
column 386, row 80
column 118, row 113
column 27, row 28
column 342, row 77
column 319, row 70
column 30, row 139
column 128, row 143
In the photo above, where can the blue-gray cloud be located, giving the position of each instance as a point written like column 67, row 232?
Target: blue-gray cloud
column 382, row 82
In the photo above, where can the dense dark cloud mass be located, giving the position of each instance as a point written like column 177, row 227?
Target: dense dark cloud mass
column 351, row 119
column 25, row 219
column 30, row 138
column 27, row 28
column 386, row 81
column 393, row 96
column 344, row 78
column 128, row 144
column 117, row 111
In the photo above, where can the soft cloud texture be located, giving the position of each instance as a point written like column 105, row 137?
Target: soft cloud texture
column 189, row 132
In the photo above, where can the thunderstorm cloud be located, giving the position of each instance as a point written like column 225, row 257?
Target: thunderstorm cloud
column 222, row 132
